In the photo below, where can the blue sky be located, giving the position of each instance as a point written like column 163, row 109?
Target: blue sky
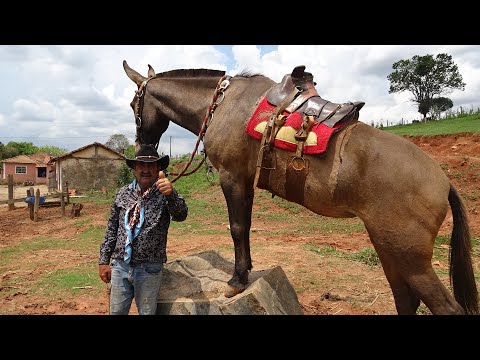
column 72, row 95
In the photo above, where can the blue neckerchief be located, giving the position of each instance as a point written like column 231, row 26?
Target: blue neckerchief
column 132, row 233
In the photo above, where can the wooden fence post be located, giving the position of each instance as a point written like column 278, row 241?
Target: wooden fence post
column 68, row 195
column 62, row 203
column 30, row 205
column 37, row 205
column 11, row 205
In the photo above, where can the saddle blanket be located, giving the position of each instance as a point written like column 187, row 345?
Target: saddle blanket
column 317, row 139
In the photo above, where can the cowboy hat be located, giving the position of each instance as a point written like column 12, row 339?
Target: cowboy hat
column 147, row 153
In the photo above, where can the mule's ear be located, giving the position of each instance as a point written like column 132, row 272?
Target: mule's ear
column 151, row 72
column 133, row 75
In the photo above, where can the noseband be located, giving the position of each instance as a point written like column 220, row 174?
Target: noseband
column 140, row 93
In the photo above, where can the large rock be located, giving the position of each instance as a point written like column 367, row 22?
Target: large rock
column 195, row 285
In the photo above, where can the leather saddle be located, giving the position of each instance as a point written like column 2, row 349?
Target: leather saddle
column 307, row 101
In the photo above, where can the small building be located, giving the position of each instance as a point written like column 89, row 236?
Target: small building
column 27, row 168
column 90, row 167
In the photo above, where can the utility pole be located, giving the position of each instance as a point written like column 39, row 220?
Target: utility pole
column 170, row 145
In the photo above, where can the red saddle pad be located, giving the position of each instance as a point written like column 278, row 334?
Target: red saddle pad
column 317, row 139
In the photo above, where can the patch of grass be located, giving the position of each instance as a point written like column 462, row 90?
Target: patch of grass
column 83, row 221
column 442, row 272
column 92, row 233
column 324, row 251
column 197, row 229
column 96, row 197
column 457, row 175
column 326, row 225
column 441, row 249
column 468, row 123
column 57, row 280
column 476, row 242
column 442, row 240
column 203, row 208
column 273, row 216
column 8, row 254
column 195, row 182
column 423, row 310
column 444, row 167
column 471, row 197
column 310, row 223
column 224, row 247
column 292, row 207
column 368, row 256
column 71, row 280
column 441, row 255
column 191, row 227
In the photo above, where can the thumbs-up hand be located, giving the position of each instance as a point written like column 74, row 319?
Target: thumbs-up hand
column 163, row 184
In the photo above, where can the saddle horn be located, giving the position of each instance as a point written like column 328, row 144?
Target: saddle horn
column 301, row 78
column 298, row 71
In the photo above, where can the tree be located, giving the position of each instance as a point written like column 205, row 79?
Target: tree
column 14, row 148
column 24, row 148
column 426, row 77
column 130, row 152
column 7, row 152
column 118, row 142
column 440, row 105
column 52, row 150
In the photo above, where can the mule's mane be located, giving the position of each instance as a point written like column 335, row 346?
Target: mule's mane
column 191, row 73
column 203, row 73
column 248, row 74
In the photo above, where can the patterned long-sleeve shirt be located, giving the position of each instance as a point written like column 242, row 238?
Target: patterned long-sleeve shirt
column 151, row 243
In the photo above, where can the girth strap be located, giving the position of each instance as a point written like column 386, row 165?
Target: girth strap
column 267, row 138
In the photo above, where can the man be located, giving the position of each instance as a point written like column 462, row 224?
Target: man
column 136, row 236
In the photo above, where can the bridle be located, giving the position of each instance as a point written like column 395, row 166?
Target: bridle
column 218, row 97
column 138, row 110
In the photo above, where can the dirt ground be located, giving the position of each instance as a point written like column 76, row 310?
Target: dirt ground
column 325, row 285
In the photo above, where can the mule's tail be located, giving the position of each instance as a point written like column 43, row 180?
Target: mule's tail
column 462, row 277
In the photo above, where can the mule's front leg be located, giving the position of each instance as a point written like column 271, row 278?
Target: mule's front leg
column 239, row 198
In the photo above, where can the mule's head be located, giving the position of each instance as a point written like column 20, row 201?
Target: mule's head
column 150, row 123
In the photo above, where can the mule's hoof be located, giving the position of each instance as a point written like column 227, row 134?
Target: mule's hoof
column 232, row 291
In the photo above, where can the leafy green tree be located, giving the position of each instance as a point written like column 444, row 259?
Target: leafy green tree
column 24, row 148
column 130, row 152
column 13, row 149
column 52, row 150
column 426, row 77
column 8, row 152
column 126, row 174
column 118, row 142
column 440, row 105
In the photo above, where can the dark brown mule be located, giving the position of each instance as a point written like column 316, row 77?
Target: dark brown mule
column 398, row 191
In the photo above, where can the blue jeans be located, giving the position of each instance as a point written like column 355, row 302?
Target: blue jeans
column 140, row 282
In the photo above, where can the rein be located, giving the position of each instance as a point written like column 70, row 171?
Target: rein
column 217, row 99
column 139, row 107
